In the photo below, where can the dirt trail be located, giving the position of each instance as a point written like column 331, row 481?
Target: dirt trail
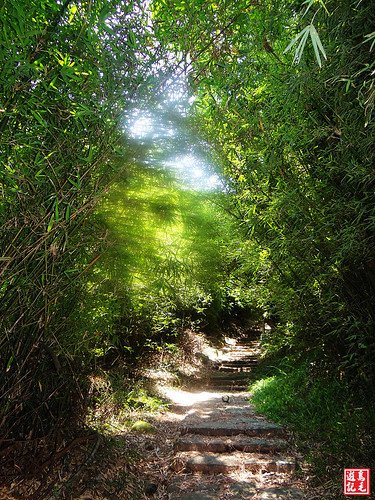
column 224, row 449
column 210, row 445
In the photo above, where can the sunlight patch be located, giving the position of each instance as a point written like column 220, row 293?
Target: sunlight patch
column 168, row 142
column 187, row 398
column 141, row 127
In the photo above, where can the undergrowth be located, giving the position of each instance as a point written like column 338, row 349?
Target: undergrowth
column 332, row 428
column 116, row 402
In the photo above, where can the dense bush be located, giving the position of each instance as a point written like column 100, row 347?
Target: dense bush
column 295, row 142
column 64, row 83
column 328, row 425
column 164, row 266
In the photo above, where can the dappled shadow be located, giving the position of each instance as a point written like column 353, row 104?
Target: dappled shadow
column 225, row 450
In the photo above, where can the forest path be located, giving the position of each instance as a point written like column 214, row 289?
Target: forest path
column 223, row 448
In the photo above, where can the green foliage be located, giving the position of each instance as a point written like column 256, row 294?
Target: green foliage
column 295, row 142
column 143, row 427
column 64, row 83
column 296, row 145
column 329, row 425
column 74, row 285
column 117, row 402
column 163, row 265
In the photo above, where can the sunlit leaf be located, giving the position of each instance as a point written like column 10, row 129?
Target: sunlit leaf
column 73, row 10
column 302, row 38
column 295, row 40
column 317, row 45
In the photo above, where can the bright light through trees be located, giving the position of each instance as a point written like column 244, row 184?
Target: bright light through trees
column 162, row 129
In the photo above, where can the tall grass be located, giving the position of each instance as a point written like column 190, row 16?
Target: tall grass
column 333, row 428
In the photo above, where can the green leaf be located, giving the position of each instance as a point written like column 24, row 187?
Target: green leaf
column 132, row 40
column 38, row 117
column 302, row 38
column 73, row 10
column 10, row 362
column 295, row 40
column 301, row 47
column 57, row 210
column 311, row 2
column 108, row 29
column 67, row 212
column 317, row 45
column 50, row 224
column 76, row 184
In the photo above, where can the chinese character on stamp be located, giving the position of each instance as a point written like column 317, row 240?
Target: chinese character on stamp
column 357, row 482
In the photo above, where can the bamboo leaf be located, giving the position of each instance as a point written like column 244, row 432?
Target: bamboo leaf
column 309, row 4
column 10, row 362
column 67, row 212
column 57, row 210
column 301, row 47
column 314, row 36
column 302, row 39
column 316, row 50
column 132, row 40
column 50, row 224
column 317, row 45
column 73, row 10
column 295, row 40
column 38, row 117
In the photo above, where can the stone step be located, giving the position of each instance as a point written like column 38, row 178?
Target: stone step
column 227, row 382
column 230, row 388
column 221, row 376
column 226, row 389
column 206, row 489
column 238, row 362
column 234, row 426
column 247, row 342
column 214, row 463
column 231, row 444
column 194, row 487
column 248, row 347
column 241, row 354
column 222, row 385
column 224, row 378
column 240, row 350
column 235, row 369
column 252, row 344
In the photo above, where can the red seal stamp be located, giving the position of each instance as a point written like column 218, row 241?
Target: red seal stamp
column 357, row 482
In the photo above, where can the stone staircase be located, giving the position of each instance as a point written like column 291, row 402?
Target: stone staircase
column 225, row 450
